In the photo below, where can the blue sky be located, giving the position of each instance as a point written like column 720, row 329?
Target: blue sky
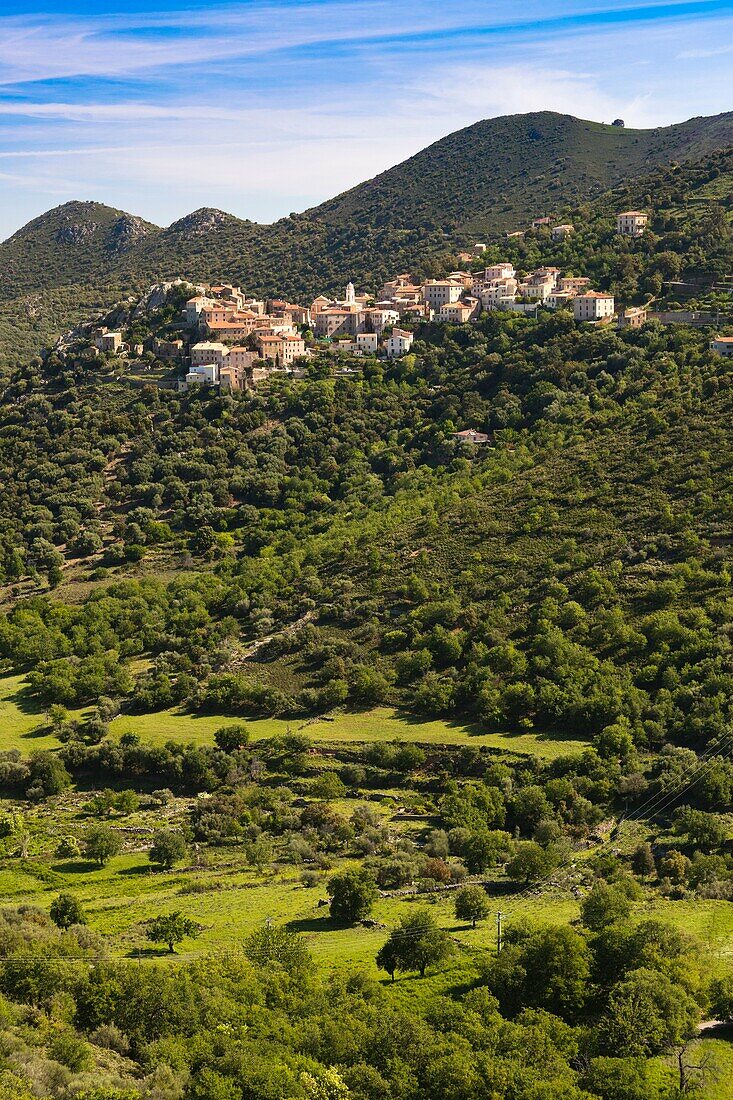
column 261, row 107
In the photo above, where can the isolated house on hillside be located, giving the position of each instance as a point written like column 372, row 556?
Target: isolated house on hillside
column 109, row 341
column 631, row 223
column 722, row 345
column 471, row 436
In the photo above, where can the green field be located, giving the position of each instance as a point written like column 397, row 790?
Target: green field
column 379, row 724
column 21, row 716
column 231, row 901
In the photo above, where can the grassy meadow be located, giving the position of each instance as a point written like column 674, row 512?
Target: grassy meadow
column 228, row 898
column 22, row 727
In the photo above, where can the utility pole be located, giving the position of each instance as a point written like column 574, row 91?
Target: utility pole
column 498, row 932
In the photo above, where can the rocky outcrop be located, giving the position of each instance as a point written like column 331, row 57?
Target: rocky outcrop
column 75, row 233
column 126, row 232
column 157, row 295
column 200, row 223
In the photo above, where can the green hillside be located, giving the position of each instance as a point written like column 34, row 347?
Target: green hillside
column 304, row 703
column 267, row 650
column 482, row 180
column 417, row 573
column 500, row 173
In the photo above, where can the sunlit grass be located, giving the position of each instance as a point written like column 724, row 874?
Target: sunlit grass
column 21, row 715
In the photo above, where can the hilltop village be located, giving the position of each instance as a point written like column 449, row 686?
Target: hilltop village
column 226, row 339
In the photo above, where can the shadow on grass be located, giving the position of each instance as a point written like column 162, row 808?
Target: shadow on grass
column 36, row 733
column 317, row 924
column 138, row 869
column 149, row 953
column 475, row 729
column 25, row 701
column 76, row 867
column 500, row 889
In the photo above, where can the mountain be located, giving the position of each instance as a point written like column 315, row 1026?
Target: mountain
column 308, row 644
column 69, row 244
column 484, row 179
column 499, row 172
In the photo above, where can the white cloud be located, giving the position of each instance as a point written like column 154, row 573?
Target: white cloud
column 489, row 90
column 262, row 164
column 38, row 47
column 202, row 136
column 701, row 53
column 34, row 48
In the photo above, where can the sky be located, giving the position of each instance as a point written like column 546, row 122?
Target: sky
column 263, row 107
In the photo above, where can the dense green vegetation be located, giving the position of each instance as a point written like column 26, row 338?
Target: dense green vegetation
column 298, row 692
column 602, row 999
column 332, row 543
column 328, row 543
column 265, row 1023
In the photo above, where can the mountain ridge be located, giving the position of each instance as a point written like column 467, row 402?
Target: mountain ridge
column 718, row 127
column 484, row 179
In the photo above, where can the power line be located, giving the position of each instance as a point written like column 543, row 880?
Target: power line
column 653, row 804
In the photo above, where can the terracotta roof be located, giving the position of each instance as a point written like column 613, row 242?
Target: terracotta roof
column 473, row 436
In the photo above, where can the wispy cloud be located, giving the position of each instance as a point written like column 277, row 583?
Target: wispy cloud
column 701, row 54
column 267, row 106
column 34, row 48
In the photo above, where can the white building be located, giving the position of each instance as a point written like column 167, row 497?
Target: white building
column 631, row 223
column 507, row 301
column 470, row 435
column 722, row 345
column 366, row 343
column 561, row 232
column 458, row 313
column 593, row 306
column 504, row 270
column 442, row 292
column 195, row 307
column 497, row 291
column 208, row 352
column 378, row 319
column 206, row 375
column 559, row 298
column 399, row 343
column 537, row 290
